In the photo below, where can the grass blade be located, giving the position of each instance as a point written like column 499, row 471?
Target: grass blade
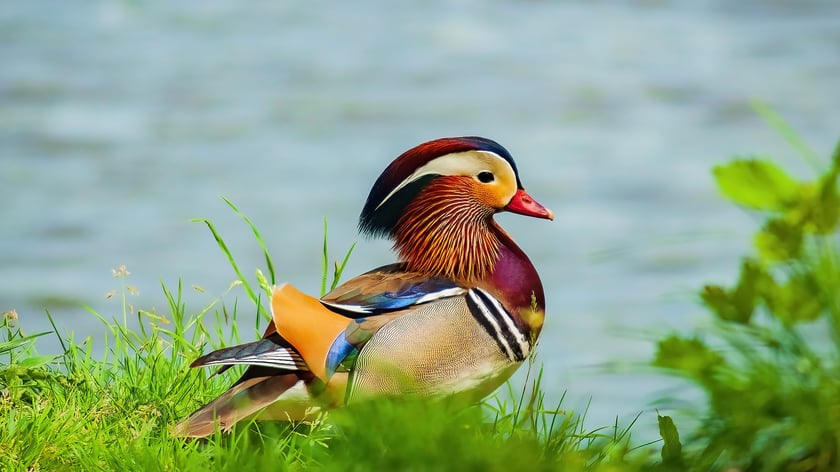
column 55, row 330
column 787, row 132
column 259, row 239
column 220, row 241
column 339, row 269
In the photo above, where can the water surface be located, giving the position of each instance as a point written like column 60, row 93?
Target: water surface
column 121, row 121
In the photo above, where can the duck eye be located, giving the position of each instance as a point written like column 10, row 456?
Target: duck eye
column 485, row 177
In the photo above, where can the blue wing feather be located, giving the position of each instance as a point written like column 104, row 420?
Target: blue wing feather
column 403, row 296
column 339, row 351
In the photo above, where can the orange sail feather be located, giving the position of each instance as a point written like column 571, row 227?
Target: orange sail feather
column 307, row 324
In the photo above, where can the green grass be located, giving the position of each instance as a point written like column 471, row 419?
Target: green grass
column 768, row 364
column 79, row 411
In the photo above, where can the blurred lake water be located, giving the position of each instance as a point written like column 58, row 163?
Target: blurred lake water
column 120, row 121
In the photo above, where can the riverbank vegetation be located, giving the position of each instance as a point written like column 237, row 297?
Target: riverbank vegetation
column 768, row 363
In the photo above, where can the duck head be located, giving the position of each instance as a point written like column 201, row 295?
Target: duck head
column 437, row 201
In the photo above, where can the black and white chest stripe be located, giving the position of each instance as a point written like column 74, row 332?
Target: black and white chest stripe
column 499, row 324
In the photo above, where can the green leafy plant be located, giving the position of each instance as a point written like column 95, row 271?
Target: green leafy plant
column 770, row 363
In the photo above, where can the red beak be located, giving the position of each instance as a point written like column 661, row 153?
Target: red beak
column 523, row 204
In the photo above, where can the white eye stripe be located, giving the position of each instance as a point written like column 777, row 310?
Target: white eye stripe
column 468, row 163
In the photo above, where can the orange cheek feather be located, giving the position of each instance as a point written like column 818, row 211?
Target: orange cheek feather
column 443, row 231
column 490, row 196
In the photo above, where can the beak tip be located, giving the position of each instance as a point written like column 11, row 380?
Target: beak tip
column 523, row 204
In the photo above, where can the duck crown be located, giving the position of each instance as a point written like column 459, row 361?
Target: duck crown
column 408, row 174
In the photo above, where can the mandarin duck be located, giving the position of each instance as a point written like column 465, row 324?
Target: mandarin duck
column 457, row 315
